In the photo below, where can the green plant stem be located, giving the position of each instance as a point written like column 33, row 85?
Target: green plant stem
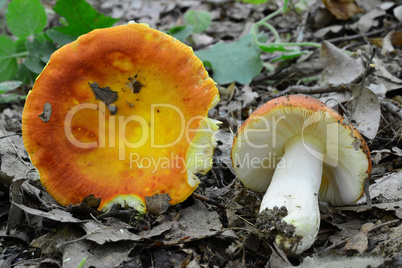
column 256, row 25
column 273, row 30
column 294, row 44
column 81, row 264
column 16, row 55
column 278, row 42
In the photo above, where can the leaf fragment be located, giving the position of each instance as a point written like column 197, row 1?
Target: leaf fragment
column 8, row 63
column 342, row 9
column 46, row 113
column 104, row 94
column 81, row 17
column 25, row 18
column 339, row 68
column 157, row 204
column 238, row 61
column 55, row 214
column 366, row 111
column 200, row 20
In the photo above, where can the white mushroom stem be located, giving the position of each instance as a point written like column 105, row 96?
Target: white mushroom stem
column 295, row 185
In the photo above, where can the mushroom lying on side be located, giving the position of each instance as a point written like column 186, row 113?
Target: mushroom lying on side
column 297, row 149
column 121, row 113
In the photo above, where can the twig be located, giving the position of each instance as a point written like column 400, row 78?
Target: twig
column 358, row 36
column 301, row 28
column 243, row 219
column 367, row 71
column 392, row 108
column 300, row 89
column 333, row 246
column 11, row 135
column 3, row 129
column 208, row 200
column 378, row 226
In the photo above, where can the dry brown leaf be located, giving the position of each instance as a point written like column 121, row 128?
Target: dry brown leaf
column 388, row 187
column 392, row 206
column 195, row 222
column 321, row 33
column 366, row 111
column 339, row 68
column 342, row 9
column 338, row 261
column 50, row 243
column 359, row 242
column 15, row 214
column 390, row 42
column 370, row 19
column 248, row 95
column 157, row 204
column 226, row 93
column 55, row 214
column 100, row 256
column 398, row 13
column 396, row 39
column 101, row 233
column 368, row 5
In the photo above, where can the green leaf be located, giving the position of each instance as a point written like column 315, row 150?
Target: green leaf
column 9, row 85
column 81, row 17
column 8, row 63
column 20, row 45
column 289, row 56
column 25, row 75
column 271, row 48
column 25, row 18
column 180, row 32
column 42, row 37
column 200, row 20
column 233, row 62
column 60, row 38
column 5, row 98
column 39, row 54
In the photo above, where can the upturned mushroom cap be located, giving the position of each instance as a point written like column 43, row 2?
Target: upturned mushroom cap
column 260, row 141
column 121, row 113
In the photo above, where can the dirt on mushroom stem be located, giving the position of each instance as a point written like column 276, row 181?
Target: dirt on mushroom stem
column 270, row 224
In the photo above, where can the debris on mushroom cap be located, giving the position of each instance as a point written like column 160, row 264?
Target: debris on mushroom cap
column 347, row 161
column 128, row 120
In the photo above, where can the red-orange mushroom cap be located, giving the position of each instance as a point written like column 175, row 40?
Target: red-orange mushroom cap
column 121, row 113
column 297, row 149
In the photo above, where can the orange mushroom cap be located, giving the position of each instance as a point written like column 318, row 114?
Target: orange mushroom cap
column 121, row 113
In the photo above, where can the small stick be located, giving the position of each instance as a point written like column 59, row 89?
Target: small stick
column 300, row 89
column 392, row 108
column 208, row 200
column 382, row 225
column 11, row 135
column 355, row 36
column 3, row 130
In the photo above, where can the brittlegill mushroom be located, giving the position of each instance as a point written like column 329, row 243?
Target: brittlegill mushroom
column 121, row 113
column 298, row 150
